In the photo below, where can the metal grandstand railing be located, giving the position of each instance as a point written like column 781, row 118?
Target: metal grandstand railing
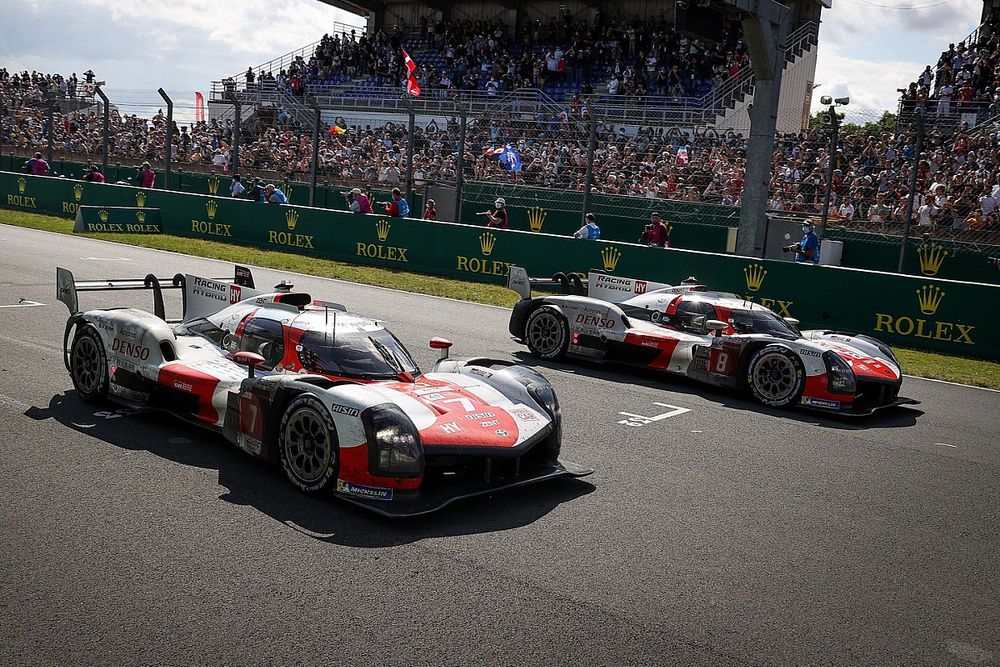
column 275, row 65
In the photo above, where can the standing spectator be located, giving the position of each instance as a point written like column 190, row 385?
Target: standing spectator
column 807, row 249
column 236, row 189
column 590, row 230
column 498, row 217
column 398, row 207
column 275, row 195
column 846, row 210
column 93, row 175
column 146, row 177
column 656, row 232
column 39, row 167
column 256, row 191
column 430, row 210
column 928, row 213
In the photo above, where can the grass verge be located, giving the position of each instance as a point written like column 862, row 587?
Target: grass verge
column 915, row 362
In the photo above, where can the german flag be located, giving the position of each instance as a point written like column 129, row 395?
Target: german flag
column 336, row 129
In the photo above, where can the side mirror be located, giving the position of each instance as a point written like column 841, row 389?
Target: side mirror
column 716, row 326
column 248, row 359
column 442, row 344
column 791, row 320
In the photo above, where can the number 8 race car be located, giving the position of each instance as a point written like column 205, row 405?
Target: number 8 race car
column 331, row 396
column 713, row 337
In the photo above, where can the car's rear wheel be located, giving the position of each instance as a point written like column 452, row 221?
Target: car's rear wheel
column 547, row 333
column 88, row 366
column 775, row 376
column 308, row 446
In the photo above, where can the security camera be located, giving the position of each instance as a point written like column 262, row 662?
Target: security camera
column 843, row 101
column 826, row 99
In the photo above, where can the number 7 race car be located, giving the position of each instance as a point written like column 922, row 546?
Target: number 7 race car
column 713, row 337
column 331, row 396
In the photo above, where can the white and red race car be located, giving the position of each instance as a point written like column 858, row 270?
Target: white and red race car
column 714, row 337
column 332, row 396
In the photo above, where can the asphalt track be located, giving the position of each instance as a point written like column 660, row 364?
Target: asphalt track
column 724, row 535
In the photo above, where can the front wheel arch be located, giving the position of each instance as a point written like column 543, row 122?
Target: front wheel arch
column 546, row 332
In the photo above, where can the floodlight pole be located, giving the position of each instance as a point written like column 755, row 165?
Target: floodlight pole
column 105, row 130
column 169, row 148
column 834, row 126
column 50, row 118
column 460, row 166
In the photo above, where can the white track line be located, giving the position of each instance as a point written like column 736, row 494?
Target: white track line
column 24, row 304
column 954, row 384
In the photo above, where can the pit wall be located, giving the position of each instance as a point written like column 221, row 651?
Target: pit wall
column 914, row 311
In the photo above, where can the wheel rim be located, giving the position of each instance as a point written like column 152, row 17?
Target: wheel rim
column 774, row 376
column 308, row 450
column 86, row 365
column 545, row 333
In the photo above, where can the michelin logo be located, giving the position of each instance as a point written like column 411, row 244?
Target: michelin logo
column 820, row 403
column 373, row 492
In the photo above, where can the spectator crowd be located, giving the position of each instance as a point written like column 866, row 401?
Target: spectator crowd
column 957, row 175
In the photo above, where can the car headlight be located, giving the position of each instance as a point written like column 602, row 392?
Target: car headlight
column 394, row 448
column 545, row 395
column 840, row 377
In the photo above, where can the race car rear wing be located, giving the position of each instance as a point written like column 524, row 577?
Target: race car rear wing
column 67, row 287
column 596, row 285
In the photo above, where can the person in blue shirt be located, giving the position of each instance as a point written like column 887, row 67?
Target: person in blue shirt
column 274, row 195
column 590, row 230
column 806, row 250
column 398, row 207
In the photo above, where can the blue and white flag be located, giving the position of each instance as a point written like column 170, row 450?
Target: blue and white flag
column 510, row 159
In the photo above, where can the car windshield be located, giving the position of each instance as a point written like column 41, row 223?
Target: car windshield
column 370, row 355
column 761, row 322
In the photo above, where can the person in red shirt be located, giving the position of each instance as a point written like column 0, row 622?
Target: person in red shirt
column 498, row 218
column 93, row 175
column 656, row 232
column 430, row 210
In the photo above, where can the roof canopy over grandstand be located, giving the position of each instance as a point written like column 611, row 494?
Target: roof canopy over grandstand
column 696, row 16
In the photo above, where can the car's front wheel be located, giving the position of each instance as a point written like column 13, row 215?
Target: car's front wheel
column 547, row 333
column 308, row 446
column 775, row 376
column 88, row 365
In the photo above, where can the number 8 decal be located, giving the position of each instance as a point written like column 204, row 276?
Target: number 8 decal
column 722, row 362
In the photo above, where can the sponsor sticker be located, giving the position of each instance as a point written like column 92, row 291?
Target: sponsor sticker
column 491, row 423
column 501, row 432
column 821, row 403
column 451, row 427
column 480, row 415
column 373, row 492
column 183, row 386
column 345, row 410
column 481, row 372
column 524, row 415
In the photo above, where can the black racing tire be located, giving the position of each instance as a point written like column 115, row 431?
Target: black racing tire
column 547, row 333
column 307, row 444
column 776, row 376
column 88, row 366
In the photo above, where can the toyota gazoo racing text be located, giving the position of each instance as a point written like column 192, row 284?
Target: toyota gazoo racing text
column 713, row 337
column 331, row 396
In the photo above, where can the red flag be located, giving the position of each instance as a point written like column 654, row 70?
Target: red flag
column 199, row 108
column 410, row 65
column 412, row 87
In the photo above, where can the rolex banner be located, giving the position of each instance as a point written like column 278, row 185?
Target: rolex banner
column 117, row 219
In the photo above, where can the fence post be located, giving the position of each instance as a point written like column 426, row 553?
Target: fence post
column 315, row 158
column 169, row 152
column 915, row 163
column 460, row 166
column 50, row 119
column 589, row 177
column 237, row 121
column 105, row 131
column 409, row 158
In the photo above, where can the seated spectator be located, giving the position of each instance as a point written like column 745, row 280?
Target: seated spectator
column 93, row 175
column 275, row 195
